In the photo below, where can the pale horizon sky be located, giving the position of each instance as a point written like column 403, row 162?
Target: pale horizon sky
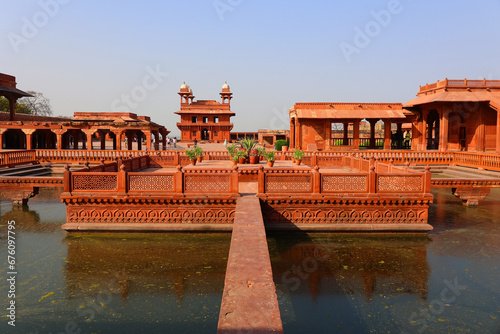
column 100, row 56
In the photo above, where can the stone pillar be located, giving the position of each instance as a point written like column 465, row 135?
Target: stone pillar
column 139, row 140
column 481, row 131
column 387, row 134
column 89, row 134
column 157, row 140
column 28, row 133
column 130, row 138
column 103, row 139
column 3, row 130
column 415, row 135
column 76, row 138
column 12, row 107
column 292, row 132
column 372, row 132
column 355, row 134
column 423, row 131
column 399, row 135
column 443, row 131
column 298, row 130
column 498, row 133
column 164, row 140
column 59, row 141
column 345, row 140
column 117, row 144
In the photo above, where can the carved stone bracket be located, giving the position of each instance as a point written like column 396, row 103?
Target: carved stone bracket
column 470, row 196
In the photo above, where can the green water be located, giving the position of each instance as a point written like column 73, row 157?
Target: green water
column 447, row 282
column 121, row 283
column 327, row 283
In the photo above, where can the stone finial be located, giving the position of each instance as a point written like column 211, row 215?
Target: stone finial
column 179, row 168
column 66, row 167
column 122, row 168
column 86, row 163
column 102, row 161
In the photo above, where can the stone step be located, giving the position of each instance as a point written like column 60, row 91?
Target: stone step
column 26, row 170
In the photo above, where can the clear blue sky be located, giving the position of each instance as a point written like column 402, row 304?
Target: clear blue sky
column 86, row 55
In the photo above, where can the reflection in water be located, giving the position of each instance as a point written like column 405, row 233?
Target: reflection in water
column 120, row 283
column 152, row 264
column 446, row 283
column 353, row 265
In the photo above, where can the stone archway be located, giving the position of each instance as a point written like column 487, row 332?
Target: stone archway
column 205, row 134
column 43, row 139
column 433, row 130
column 14, row 139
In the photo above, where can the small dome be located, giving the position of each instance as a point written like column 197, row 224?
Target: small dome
column 183, row 86
column 225, row 85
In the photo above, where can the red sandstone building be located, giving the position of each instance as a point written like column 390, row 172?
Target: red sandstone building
column 457, row 115
column 22, row 131
column 311, row 124
column 461, row 115
column 205, row 119
column 8, row 89
column 81, row 132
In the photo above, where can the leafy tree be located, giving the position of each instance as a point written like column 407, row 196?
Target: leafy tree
column 19, row 108
column 38, row 104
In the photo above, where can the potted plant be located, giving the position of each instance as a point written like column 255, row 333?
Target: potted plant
column 298, row 155
column 234, row 160
column 191, row 154
column 242, row 156
column 199, row 153
column 231, row 149
column 281, row 145
column 270, row 156
column 247, row 144
column 262, row 151
column 254, row 156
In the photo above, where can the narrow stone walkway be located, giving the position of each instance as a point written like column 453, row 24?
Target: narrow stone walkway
column 249, row 302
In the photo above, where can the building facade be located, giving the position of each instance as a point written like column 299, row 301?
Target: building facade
column 86, row 131
column 461, row 115
column 312, row 125
column 205, row 119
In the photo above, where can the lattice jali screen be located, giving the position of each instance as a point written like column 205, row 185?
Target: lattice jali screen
column 288, row 183
column 207, row 183
column 398, row 183
column 95, row 182
column 151, row 182
column 344, row 183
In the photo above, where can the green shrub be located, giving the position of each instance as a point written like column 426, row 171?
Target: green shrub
column 191, row 154
column 270, row 156
column 279, row 143
column 298, row 154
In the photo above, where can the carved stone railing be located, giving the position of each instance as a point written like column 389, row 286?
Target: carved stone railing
column 318, row 158
column 193, row 182
column 369, row 177
column 80, row 156
column 20, row 157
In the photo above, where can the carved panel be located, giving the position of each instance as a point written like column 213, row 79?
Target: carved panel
column 345, row 214
column 207, row 183
column 151, row 182
column 95, row 182
column 344, row 183
column 288, row 183
column 171, row 214
column 398, row 183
